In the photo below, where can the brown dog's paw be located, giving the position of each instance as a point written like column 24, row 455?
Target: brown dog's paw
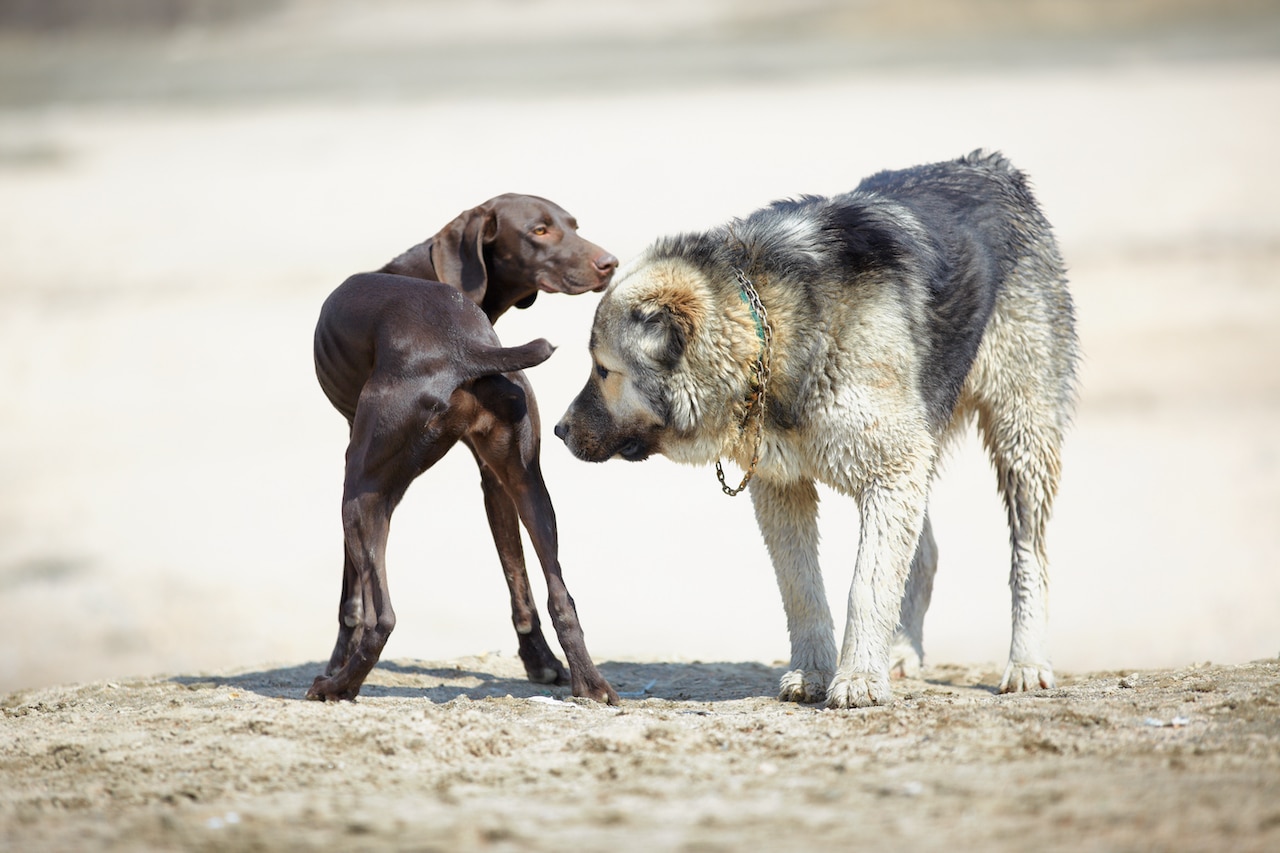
column 323, row 690
column 541, row 666
column 596, row 689
column 548, row 675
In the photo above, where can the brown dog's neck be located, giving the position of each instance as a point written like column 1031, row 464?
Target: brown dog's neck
column 500, row 298
column 495, row 299
column 414, row 262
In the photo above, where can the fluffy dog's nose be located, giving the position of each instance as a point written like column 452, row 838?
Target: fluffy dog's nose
column 562, row 431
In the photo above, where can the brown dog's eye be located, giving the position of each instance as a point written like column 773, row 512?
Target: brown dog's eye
column 539, row 230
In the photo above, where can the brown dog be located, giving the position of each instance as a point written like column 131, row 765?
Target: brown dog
column 415, row 367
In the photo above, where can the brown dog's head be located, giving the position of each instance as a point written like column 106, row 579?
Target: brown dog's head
column 506, row 250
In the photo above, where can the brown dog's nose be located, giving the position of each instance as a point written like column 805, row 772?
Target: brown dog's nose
column 606, row 264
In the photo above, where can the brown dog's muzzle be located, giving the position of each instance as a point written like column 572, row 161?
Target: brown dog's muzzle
column 587, row 276
column 606, row 265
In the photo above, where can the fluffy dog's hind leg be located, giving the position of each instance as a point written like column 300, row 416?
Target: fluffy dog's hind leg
column 1022, row 385
column 1027, row 464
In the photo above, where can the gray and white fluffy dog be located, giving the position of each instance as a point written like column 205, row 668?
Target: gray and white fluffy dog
column 843, row 340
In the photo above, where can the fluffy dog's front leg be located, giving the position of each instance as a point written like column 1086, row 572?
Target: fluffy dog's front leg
column 891, row 523
column 906, row 656
column 788, row 517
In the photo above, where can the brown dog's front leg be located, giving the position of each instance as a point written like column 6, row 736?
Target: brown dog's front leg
column 539, row 519
column 586, row 680
column 540, row 663
column 508, row 449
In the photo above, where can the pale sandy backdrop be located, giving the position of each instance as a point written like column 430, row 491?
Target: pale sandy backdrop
column 170, row 471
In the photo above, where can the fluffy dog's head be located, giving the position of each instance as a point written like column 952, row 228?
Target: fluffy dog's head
column 663, row 374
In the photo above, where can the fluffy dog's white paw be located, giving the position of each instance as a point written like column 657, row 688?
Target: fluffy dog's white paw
column 1021, row 676
column 904, row 660
column 803, row 685
column 859, row 690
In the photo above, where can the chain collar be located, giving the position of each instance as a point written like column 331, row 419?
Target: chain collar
column 756, row 401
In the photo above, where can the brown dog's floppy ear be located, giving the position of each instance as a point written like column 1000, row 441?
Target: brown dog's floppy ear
column 457, row 252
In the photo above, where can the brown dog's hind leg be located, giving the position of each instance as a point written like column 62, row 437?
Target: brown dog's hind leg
column 366, row 520
column 394, row 437
column 540, row 663
column 350, row 617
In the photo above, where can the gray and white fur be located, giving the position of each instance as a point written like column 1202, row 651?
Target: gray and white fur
column 923, row 300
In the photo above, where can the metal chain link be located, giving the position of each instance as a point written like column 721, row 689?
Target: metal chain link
column 758, row 401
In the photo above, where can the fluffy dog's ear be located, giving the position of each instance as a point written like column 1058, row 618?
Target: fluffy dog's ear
column 669, row 323
column 457, row 252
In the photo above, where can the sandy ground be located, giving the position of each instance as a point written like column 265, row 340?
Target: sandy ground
column 170, row 473
column 463, row 754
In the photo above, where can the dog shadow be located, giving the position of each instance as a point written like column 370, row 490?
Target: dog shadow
column 442, row 682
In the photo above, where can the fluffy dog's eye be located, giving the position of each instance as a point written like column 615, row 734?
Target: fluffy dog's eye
column 602, row 371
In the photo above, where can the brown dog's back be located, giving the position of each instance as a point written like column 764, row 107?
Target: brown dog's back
column 376, row 323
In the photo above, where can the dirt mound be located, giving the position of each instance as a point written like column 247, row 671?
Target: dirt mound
column 465, row 753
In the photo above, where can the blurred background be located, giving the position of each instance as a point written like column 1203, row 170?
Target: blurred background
column 182, row 182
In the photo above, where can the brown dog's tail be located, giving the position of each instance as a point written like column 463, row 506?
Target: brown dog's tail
column 486, row 361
